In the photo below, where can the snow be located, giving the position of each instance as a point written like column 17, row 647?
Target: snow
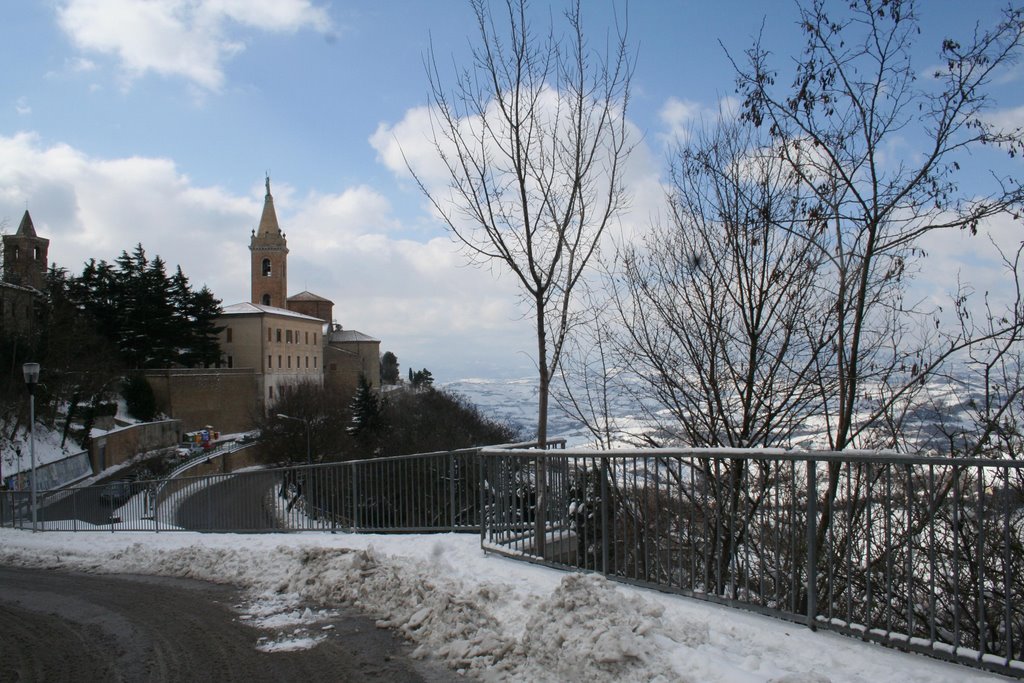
column 488, row 616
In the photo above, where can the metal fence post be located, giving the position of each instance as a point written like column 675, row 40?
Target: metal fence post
column 812, row 550
column 451, row 487
column 604, row 516
column 355, row 500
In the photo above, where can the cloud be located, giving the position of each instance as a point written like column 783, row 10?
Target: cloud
column 418, row 297
column 22, row 106
column 680, row 117
column 185, row 38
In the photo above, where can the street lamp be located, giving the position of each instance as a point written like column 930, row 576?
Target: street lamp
column 305, row 422
column 31, row 371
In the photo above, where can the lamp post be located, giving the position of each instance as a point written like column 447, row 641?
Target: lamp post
column 305, row 422
column 31, row 371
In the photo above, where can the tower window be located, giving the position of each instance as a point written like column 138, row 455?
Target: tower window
column 266, row 299
column 16, row 251
column 266, row 267
column 38, row 253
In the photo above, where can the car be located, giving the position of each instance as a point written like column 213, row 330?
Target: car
column 116, row 492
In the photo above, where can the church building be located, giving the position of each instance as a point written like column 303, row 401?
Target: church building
column 290, row 340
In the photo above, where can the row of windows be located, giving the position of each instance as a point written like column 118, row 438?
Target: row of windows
column 298, row 363
column 290, row 336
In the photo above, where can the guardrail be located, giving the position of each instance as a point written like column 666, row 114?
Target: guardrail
column 426, row 492
column 923, row 554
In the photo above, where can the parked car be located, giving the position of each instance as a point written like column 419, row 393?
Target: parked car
column 116, row 492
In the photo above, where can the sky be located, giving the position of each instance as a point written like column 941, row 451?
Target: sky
column 495, row 618
column 156, row 121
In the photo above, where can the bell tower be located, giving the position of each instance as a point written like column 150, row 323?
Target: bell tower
column 269, row 250
column 25, row 256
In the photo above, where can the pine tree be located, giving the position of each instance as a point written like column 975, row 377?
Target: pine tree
column 366, row 411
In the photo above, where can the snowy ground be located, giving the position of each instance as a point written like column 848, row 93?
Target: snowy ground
column 488, row 616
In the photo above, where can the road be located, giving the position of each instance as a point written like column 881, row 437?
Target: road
column 58, row 626
column 234, row 504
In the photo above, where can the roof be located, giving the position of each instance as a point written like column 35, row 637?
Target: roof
column 26, row 229
column 309, row 296
column 247, row 308
column 268, row 221
column 342, row 336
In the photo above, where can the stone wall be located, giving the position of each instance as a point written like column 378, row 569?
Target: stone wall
column 120, row 445
column 227, row 399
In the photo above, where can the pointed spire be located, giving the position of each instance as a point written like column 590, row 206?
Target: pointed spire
column 26, row 229
column 268, row 221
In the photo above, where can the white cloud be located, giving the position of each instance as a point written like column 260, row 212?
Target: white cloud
column 22, row 106
column 681, row 117
column 186, row 38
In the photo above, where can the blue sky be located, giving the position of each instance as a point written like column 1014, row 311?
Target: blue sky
column 154, row 121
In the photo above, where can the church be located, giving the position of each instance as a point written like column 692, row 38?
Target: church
column 268, row 343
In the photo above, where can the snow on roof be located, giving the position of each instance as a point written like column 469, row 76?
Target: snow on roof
column 247, row 308
column 350, row 336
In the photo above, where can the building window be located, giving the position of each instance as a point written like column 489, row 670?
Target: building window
column 270, row 334
column 38, row 254
column 289, row 362
column 266, row 267
column 266, row 299
column 307, row 362
column 270, row 362
column 314, row 337
column 279, row 335
column 271, row 390
column 16, row 252
column 231, row 362
column 288, row 336
column 307, row 336
column 279, row 362
column 227, row 333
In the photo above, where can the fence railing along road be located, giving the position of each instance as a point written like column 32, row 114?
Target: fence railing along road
column 919, row 553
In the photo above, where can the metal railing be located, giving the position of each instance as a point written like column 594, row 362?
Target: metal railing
column 426, row 492
column 923, row 554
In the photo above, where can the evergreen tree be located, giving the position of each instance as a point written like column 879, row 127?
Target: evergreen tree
column 367, row 411
column 389, row 368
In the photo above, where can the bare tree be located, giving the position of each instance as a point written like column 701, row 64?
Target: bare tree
column 855, row 93
column 721, row 321
column 534, row 138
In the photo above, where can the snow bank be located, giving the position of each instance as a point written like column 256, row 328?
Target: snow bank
column 488, row 616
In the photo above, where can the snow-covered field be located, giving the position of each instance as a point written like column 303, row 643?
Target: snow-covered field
column 487, row 616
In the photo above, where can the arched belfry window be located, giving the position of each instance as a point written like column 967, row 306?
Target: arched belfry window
column 16, row 252
column 38, row 253
column 266, row 267
column 266, row 299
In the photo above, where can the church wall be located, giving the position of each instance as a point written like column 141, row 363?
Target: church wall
column 345, row 362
